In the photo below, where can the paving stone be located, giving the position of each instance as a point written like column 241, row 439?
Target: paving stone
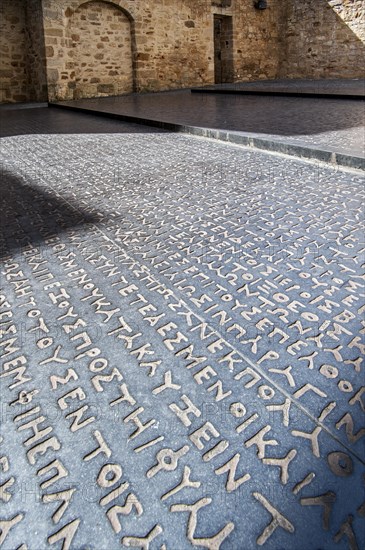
column 182, row 336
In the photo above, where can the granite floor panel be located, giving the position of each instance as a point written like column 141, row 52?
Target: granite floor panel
column 182, row 336
column 330, row 125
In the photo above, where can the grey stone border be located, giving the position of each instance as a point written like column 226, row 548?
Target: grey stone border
column 237, row 138
column 315, row 95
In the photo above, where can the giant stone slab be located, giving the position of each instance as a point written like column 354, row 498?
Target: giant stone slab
column 182, row 347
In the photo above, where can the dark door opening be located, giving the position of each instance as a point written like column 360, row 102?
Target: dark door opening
column 223, row 49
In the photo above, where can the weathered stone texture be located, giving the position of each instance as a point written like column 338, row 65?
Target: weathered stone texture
column 74, row 49
column 22, row 56
column 13, row 51
column 324, row 39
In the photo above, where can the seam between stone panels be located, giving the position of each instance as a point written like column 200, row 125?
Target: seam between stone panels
column 251, row 363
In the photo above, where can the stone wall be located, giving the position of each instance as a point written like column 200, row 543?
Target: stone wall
column 22, row 59
column 13, row 51
column 324, row 39
column 258, row 36
column 68, row 49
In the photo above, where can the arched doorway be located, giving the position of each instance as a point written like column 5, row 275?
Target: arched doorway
column 101, row 50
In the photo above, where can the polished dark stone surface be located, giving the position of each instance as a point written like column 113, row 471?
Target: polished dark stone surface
column 326, row 125
column 352, row 88
column 182, row 336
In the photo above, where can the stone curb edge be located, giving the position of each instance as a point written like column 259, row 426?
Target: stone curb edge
column 329, row 157
column 310, row 95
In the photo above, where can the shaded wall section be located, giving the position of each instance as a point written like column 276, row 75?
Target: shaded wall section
column 324, row 39
column 13, row 51
column 22, row 52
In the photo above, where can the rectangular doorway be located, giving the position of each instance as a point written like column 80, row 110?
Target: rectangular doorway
column 223, row 49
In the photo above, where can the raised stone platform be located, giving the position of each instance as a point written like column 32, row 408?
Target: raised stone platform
column 328, row 130
column 182, row 343
column 320, row 89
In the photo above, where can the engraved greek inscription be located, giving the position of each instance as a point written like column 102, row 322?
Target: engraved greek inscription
column 42, row 448
column 348, row 422
column 219, row 394
column 25, row 397
column 277, row 331
column 357, row 398
column 187, row 354
column 204, row 432
column 336, row 353
column 60, row 472
column 7, row 525
column 306, row 388
column 309, row 359
column 284, row 408
column 326, row 501
column 99, row 378
column 142, row 351
column 356, row 343
column 230, row 360
column 205, row 374
column 55, row 357
column 306, row 481
column 260, row 442
column 167, row 460
column 282, row 463
column 266, row 392
column 340, row 463
column 8, row 347
column 185, row 482
column 242, row 427
column 17, row 372
column 77, row 416
column 34, row 426
column 345, row 386
column 149, row 444
column 230, row 467
column 152, row 366
column 4, row 462
column 238, row 410
column 66, row 534
column 269, row 356
column 114, row 494
column 143, row 542
column 65, row 497
column 278, row 520
column 77, row 393
column 109, row 475
column 346, row 530
column 250, row 372
column 5, row 496
column 313, row 438
column 131, row 503
column 126, row 396
column 57, row 380
column 355, row 363
column 70, row 328
column 216, row 451
column 212, row 543
column 183, row 414
column 134, row 417
column 102, row 448
column 287, row 373
column 167, row 384
column 93, row 352
column 329, row 371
